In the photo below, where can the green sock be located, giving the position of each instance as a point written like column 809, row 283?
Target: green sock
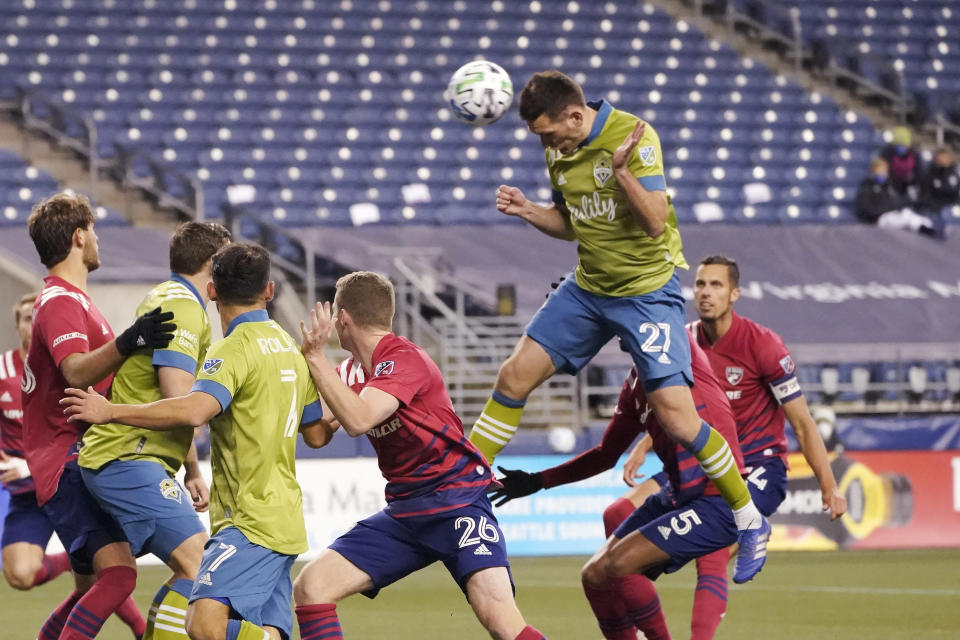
column 713, row 453
column 496, row 425
column 165, row 620
column 243, row 630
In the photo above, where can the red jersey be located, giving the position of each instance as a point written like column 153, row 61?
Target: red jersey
column 758, row 375
column 65, row 321
column 429, row 465
column 634, row 415
column 11, row 414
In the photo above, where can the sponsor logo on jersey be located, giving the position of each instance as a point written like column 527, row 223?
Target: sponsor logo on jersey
column 786, row 363
column 383, row 368
column 13, row 414
column 593, row 207
column 68, row 336
column 386, row 428
column 171, row 490
column 482, row 550
column 212, row 365
column 648, row 156
column 602, row 171
column 29, row 381
column 734, row 375
column 734, row 395
column 6, row 397
column 206, row 579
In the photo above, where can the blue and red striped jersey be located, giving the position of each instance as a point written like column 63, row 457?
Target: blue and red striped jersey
column 758, row 375
column 429, row 464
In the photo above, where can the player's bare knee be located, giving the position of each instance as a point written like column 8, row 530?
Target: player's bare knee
column 309, row 591
column 512, row 379
column 19, row 576
column 201, row 627
column 594, row 574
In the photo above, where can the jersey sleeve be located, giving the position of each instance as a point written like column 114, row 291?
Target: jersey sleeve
column 776, row 367
column 62, row 324
column 184, row 351
column 623, row 428
column 402, row 373
column 222, row 374
column 312, row 409
column 646, row 161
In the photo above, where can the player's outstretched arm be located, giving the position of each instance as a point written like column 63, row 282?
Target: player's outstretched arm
column 357, row 413
column 650, row 209
column 553, row 220
column 814, row 451
column 186, row 411
column 515, row 484
column 152, row 330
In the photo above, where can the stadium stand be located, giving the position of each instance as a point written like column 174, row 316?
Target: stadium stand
column 349, row 95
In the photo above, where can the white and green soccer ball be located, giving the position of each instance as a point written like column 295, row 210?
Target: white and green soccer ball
column 479, row 93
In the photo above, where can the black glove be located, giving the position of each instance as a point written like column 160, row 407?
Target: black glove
column 516, row 484
column 152, row 330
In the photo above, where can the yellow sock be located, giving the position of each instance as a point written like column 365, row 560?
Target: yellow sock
column 496, row 425
column 243, row 630
column 717, row 461
column 165, row 620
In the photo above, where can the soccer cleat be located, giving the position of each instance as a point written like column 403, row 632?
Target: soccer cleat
column 752, row 552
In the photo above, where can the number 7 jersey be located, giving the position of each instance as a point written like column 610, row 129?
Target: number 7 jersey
column 265, row 391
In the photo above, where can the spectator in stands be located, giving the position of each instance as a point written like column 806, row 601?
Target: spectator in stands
column 904, row 163
column 940, row 186
column 879, row 202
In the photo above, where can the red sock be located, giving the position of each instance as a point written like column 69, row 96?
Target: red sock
column 54, row 624
column 318, row 622
column 53, row 565
column 642, row 605
column 112, row 588
column 130, row 614
column 710, row 598
column 616, row 513
column 529, row 633
column 611, row 613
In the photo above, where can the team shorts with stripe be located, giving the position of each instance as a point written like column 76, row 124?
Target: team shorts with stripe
column 387, row 549
column 155, row 512
column 573, row 325
column 767, row 481
column 252, row 580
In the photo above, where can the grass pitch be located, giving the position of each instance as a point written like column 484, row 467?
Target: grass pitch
column 799, row 596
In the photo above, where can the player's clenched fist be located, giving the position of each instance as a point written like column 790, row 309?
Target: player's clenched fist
column 510, row 200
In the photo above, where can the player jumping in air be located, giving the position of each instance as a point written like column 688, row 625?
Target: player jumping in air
column 437, row 507
column 685, row 520
column 26, row 529
column 255, row 390
column 609, row 194
column 71, row 344
column 130, row 471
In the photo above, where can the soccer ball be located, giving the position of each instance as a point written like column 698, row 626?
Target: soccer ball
column 479, row 93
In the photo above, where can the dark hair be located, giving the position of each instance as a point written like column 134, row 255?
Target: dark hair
column 52, row 222
column 732, row 269
column 240, row 273
column 368, row 297
column 193, row 243
column 26, row 298
column 549, row 92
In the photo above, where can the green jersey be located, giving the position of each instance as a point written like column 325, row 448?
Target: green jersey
column 136, row 382
column 616, row 257
column 265, row 391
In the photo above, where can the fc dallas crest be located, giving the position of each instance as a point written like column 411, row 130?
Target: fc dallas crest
column 734, row 375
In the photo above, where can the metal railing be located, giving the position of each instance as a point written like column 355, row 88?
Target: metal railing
column 167, row 185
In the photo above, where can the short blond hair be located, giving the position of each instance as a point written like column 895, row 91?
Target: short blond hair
column 368, row 297
column 27, row 298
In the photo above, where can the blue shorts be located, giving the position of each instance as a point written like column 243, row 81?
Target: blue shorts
column 768, row 484
column 81, row 524
column 155, row 512
column 252, row 580
column 695, row 529
column 574, row 324
column 387, row 549
column 26, row 522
